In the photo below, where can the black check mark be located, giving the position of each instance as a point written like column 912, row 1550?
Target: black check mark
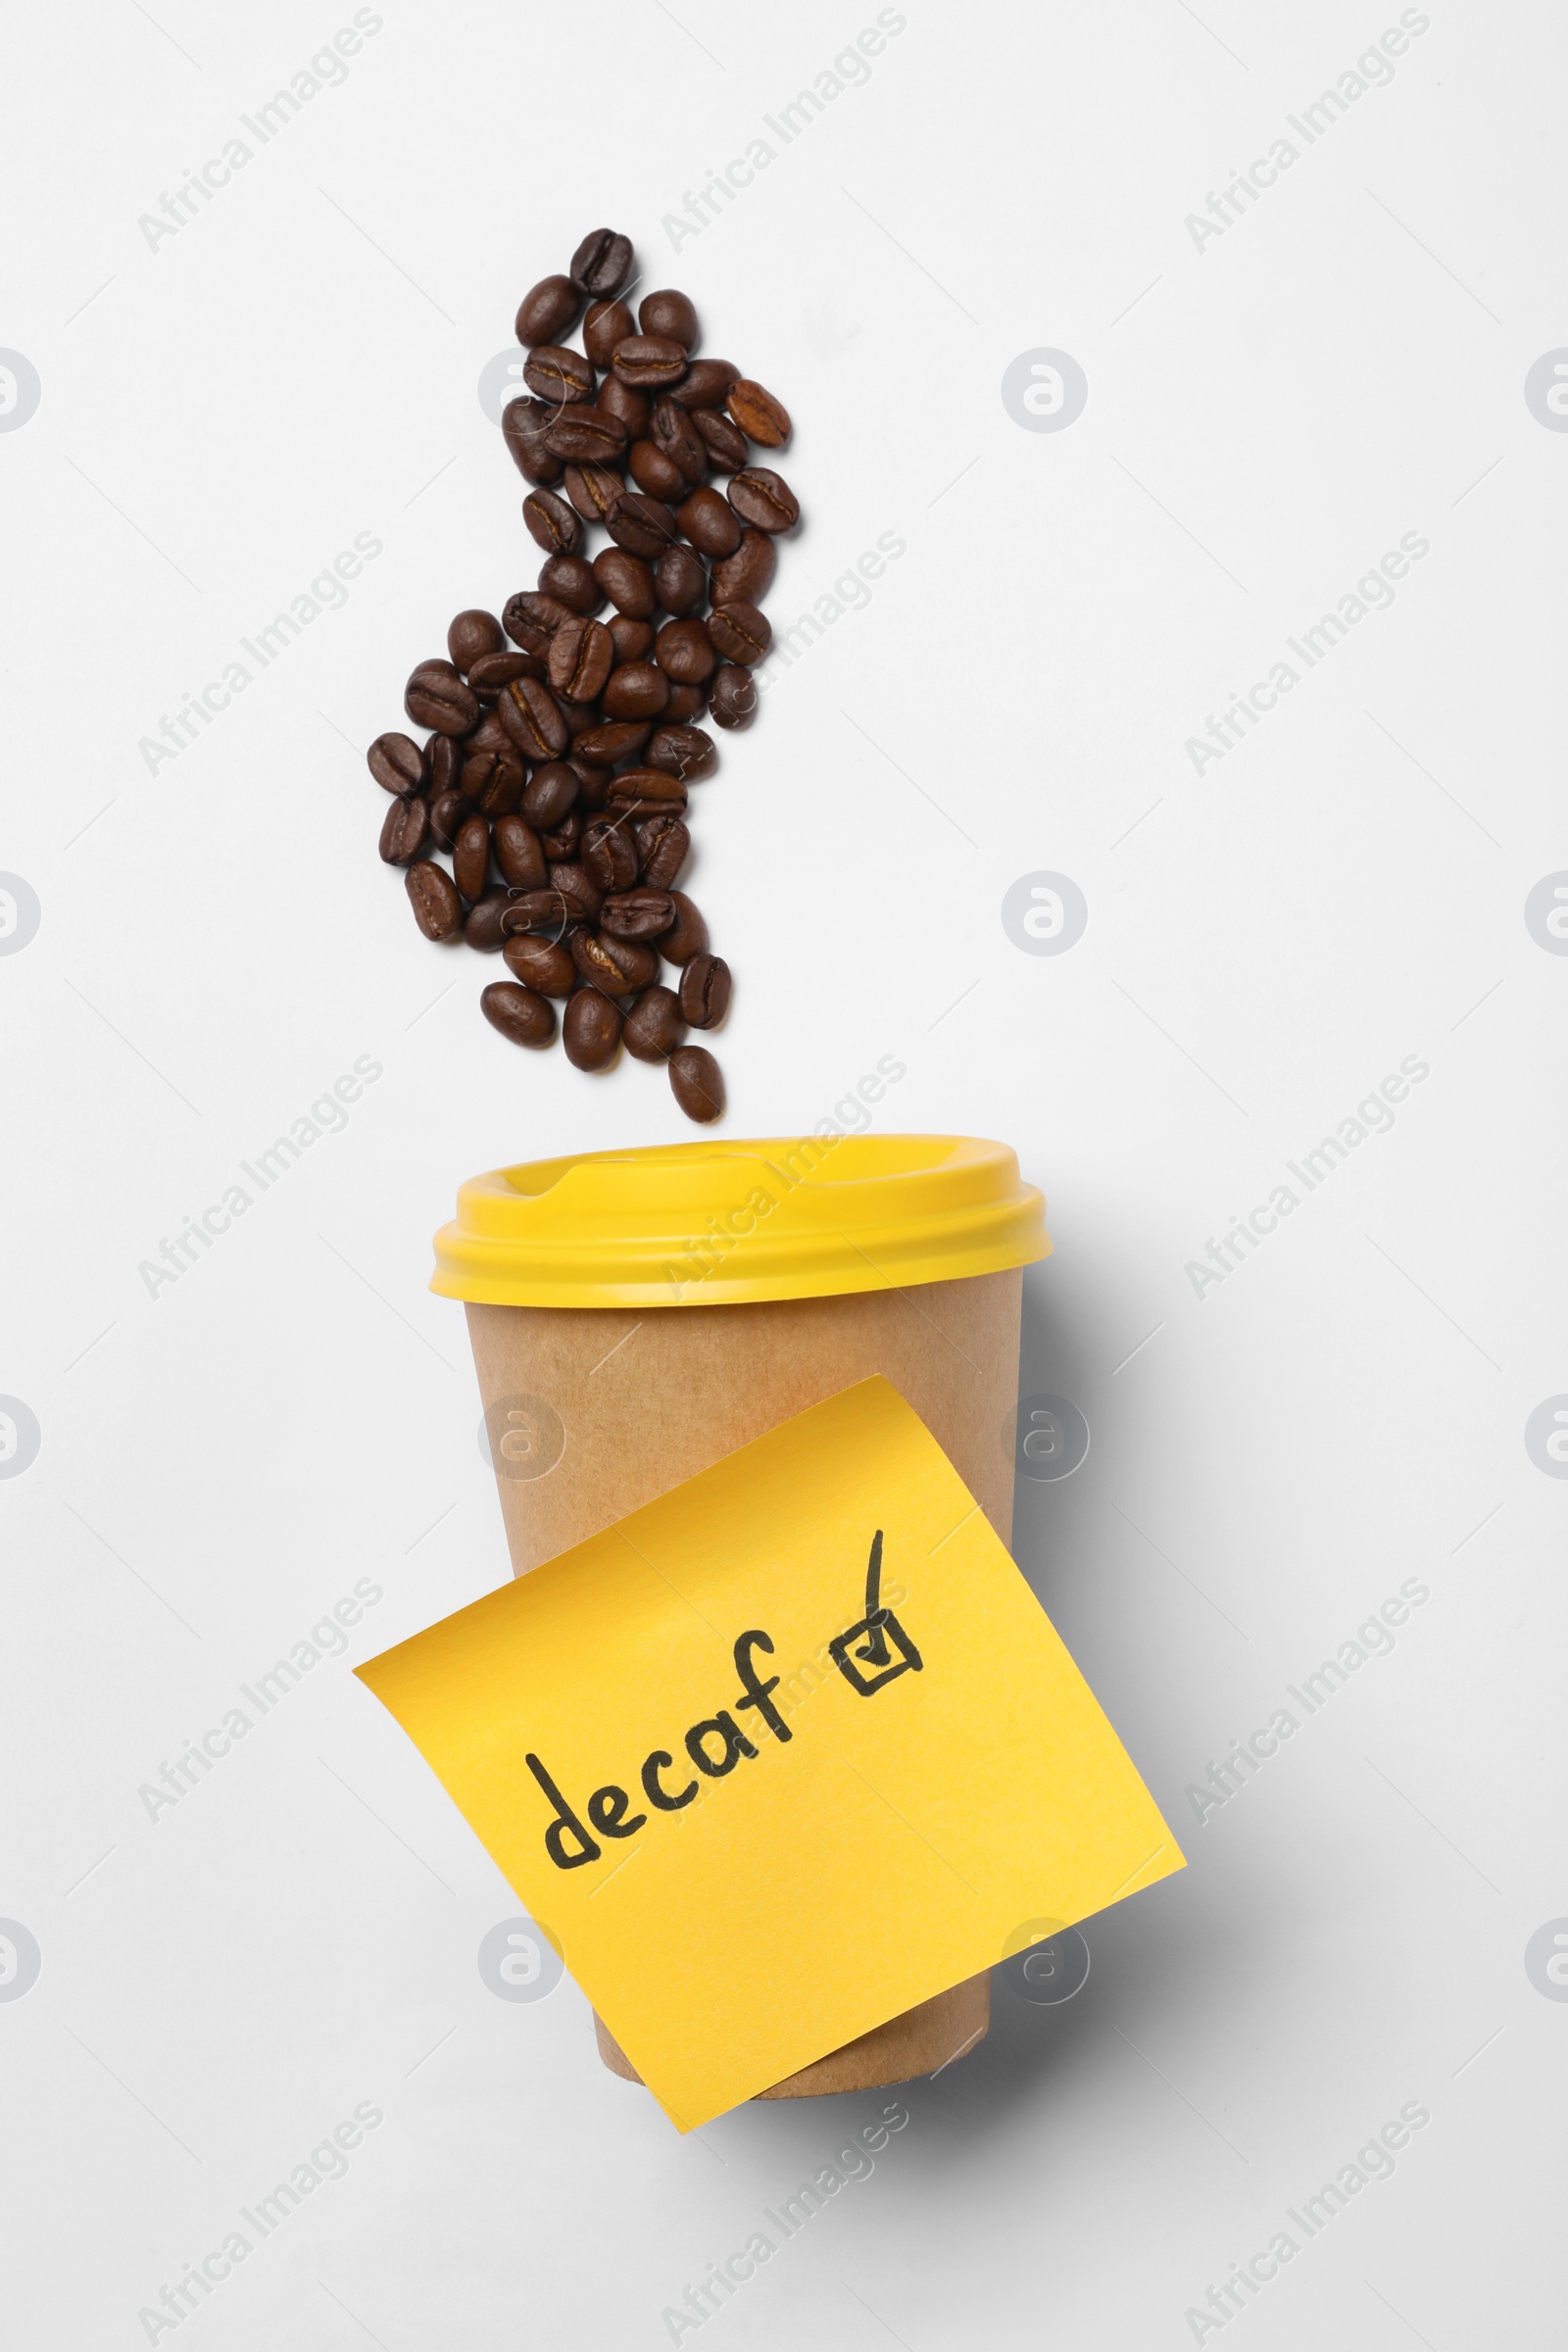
column 875, row 1650
column 878, row 1625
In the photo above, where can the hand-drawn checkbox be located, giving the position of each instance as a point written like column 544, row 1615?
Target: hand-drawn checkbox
column 879, row 1626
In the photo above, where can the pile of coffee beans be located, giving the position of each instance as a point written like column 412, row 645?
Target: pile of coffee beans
column 563, row 743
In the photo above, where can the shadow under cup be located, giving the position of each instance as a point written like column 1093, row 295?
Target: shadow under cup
column 637, row 1315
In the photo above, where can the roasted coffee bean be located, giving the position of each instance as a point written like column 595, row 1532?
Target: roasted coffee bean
column 589, row 435
column 762, row 497
column 687, row 935
column 670, row 315
column 447, row 754
column 654, row 472
column 616, row 965
column 548, row 310
column 497, row 790
column 740, row 632
column 580, row 657
column 648, row 362
column 572, row 581
column 613, row 740
column 697, row 1083
column 685, row 652
column 684, row 751
column 591, row 1030
column 523, row 423
column 541, row 910
column 530, row 636
column 558, row 375
column 663, row 845
column 637, row 913
column 637, row 690
column 609, row 853
column 725, row 444
column 580, row 717
column 643, row 525
column 627, row 583
column 594, row 491
column 550, row 794
column 436, row 697
column 397, row 762
column 540, row 963
column 645, row 792
column 518, row 1013
column 670, row 430
column 493, row 781
column 686, row 705
column 500, row 794
column 709, row 522
column 704, row 991
column 761, row 418
column 705, row 383
column 577, row 887
column 482, row 925
column 542, row 612
column 490, row 735
column 470, row 858
column 633, row 640
column 632, row 407
column 551, row 522
column 680, row 580
column 533, row 718
column 404, row 831
column 602, row 264
column 492, row 671
column 449, row 811
column 604, row 324
column 593, row 791
column 586, row 436
column 732, row 697
column 747, row 575
column 473, row 634
column 563, row 841
column 517, row 853
column 437, row 908
column 653, row 1028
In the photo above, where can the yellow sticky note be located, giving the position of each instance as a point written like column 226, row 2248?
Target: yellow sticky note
column 781, row 1754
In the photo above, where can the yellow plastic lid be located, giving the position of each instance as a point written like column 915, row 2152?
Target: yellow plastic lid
column 708, row 1224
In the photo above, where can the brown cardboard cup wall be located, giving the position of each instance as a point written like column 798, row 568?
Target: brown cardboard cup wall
column 646, row 1401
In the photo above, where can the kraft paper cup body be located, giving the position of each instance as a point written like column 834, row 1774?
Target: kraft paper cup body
column 592, row 1412
column 593, row 1409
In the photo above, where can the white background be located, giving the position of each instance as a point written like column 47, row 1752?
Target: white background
column 1267, row 415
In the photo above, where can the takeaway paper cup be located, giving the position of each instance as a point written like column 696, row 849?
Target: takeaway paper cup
column 637, row 1315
